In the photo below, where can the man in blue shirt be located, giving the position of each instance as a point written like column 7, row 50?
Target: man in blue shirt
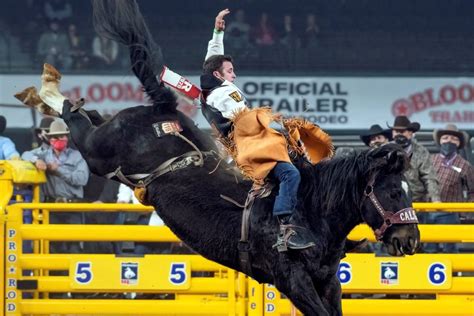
column 7, row 147
column 67, row 174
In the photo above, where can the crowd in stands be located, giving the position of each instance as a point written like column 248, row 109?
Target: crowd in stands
column 277, row 36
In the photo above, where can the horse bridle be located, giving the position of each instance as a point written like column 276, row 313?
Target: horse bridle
column 403, row 216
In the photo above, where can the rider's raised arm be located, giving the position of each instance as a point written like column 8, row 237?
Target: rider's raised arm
column 216, row 44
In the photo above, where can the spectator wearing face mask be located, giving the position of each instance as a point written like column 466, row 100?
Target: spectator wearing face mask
column 66, row 172
column 420, row 175
column 376, row 136
column 455, row 177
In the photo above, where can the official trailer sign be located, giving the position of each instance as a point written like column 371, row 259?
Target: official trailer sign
column 331, row 102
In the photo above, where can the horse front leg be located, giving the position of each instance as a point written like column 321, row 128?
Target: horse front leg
column 331, row 294
column 299, row 288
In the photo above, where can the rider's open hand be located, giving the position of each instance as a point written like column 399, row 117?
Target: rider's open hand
column 220, row 22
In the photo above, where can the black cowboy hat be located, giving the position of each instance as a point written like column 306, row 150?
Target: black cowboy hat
column 44, row 124
column 451, row 129
column 373, row 131
column 403, row 123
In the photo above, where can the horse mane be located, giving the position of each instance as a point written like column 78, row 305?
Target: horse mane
column 122, row 21
column 338, row 183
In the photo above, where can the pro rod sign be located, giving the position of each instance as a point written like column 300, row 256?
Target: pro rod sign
column 331, row 102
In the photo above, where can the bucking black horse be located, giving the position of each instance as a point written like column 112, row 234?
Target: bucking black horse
column 158, row 147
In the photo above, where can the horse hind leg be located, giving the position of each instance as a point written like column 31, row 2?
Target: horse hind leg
column 299, row 288
column 30, row 98
column 49, row 92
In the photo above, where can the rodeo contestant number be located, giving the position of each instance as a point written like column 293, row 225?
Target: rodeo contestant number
column 178, row 273
column 437, row 273
column 83, row 272
column 344, row 273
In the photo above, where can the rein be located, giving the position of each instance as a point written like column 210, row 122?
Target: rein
column 195, row 157
column 403, row 216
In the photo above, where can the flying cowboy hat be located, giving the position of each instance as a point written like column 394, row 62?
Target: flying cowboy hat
column 403, row 123
column 373, row 131
column 451, row 129
column 57, row 128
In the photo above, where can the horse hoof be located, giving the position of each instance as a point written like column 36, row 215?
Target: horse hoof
column 30, row 98
column 49, row 91
column 50, row 74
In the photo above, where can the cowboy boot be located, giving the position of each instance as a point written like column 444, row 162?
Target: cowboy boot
column 292, row 236
column 49, row 91
column 30, row 98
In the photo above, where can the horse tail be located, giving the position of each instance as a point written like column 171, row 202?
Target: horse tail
column 122, row 21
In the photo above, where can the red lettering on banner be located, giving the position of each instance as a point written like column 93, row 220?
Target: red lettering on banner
column 114, row 91
column 95, row 93
column 418, row 101
column 448, row 94
column 452, row 117
column 130, row 94
column 466, row 93
column 429, row 98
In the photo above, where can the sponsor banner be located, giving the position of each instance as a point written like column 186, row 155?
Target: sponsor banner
column 331, row 102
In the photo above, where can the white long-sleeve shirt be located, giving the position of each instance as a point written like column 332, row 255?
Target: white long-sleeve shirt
column 227, row 98
column 215, row 45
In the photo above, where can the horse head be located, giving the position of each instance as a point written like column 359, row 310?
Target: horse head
column 385, row 205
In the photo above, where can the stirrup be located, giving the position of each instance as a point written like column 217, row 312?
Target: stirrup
column 284, row 239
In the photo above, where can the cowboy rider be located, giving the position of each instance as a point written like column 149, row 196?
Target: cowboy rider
column 222, row 99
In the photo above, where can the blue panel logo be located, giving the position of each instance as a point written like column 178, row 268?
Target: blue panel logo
column 129, row 273
column 389, row 273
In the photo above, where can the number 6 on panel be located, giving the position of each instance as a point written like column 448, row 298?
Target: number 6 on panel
column 437, row 273
column 178, row 274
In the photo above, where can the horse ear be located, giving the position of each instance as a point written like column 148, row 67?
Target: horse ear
column 397, row 161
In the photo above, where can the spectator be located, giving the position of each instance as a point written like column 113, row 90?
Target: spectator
column 237, row 41
column 310, row 41
column 456, row 179
column 311, row 32
column 376, row 136
column 57, row 10
column 265, row 37
column 264, row 33
column 420, row 175
column 53, row 47
column 105, row 51
column 5, row 45
column 80, row 58
column 289, row 42
column 7, row 147
column 40, row 139
column 66, row 172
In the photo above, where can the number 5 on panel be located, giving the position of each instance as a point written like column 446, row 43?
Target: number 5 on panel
column 178, row 273
column 83, row 273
